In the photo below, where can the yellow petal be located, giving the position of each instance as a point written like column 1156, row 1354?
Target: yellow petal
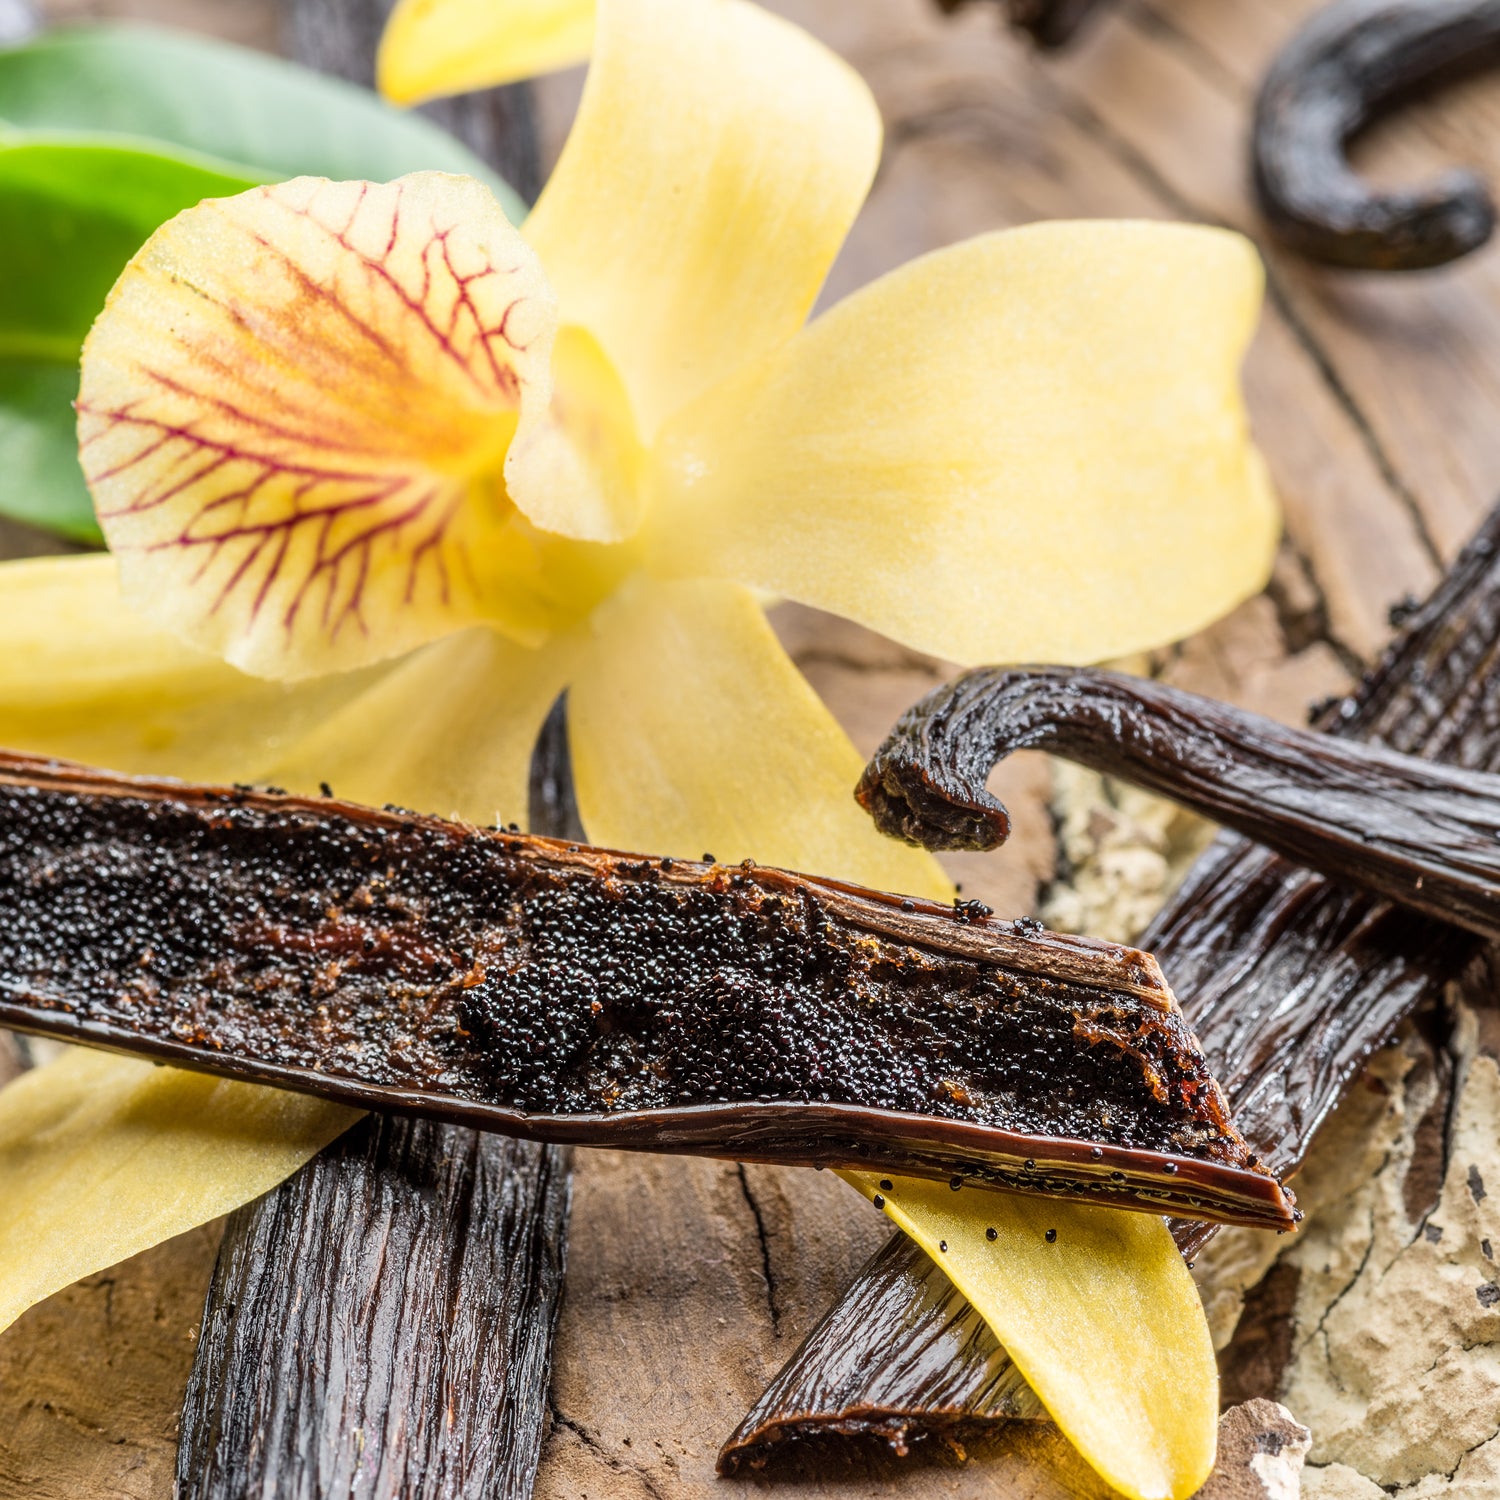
column 294, row 415
column 692, row 732
column 1028, row 447
column 1103, row 1321
column 102, row 1157
column 84, row 677
column 435, row 47
column 718, row 159
column 580, row 473
column 449, row 732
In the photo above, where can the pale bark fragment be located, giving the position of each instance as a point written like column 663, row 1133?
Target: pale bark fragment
column 1261, row 1450
column 1396, row 1353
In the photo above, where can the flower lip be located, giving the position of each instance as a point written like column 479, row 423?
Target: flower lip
column 294, row 413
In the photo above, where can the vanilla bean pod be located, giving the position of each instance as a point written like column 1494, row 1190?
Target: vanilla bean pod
column 428, row 1378
column 1346, row 67
column 1415, row 831
column 382, row 1323
column 562, row 993
column 1049, row 23
column 1291, row 980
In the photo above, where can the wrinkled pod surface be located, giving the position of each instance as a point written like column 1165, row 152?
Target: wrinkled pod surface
column 1415, row 831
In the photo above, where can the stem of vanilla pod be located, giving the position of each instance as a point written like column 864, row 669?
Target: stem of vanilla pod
column 1414, row 831
column 1291, row 981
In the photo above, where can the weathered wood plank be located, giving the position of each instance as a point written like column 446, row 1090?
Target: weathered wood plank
column 91, row 1380
column 1415, row 359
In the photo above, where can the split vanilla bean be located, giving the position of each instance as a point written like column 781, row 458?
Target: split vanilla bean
column 1350, row 64
column 557, row 992
column 1418, row 832
column 1291, row 982
column 382, row 1323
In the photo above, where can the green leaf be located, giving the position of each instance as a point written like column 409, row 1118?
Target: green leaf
column 109, row 132
column 43, row 484
column 71, row 214
column 223, row 101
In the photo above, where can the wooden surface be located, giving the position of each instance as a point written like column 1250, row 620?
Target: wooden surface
column 1376, row 402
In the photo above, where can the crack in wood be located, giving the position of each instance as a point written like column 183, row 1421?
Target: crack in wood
column 766, row 1269
column 1278, row 295
column 1320, row 1330
column 1444, row 1108
column 1305, row 626
column 609, row 1459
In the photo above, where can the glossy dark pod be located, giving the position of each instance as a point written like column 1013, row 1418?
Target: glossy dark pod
column 1416, row 831
column 1350, row 64
column 1049, row 23
column 1292, row 981
column 562, row 993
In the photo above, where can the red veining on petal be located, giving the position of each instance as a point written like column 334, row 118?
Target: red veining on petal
column 306, row 430
column 307, row 509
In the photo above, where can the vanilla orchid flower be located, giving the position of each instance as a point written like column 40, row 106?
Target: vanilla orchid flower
column 382, row 475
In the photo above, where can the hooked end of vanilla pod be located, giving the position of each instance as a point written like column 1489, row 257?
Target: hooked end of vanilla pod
column 908, row 803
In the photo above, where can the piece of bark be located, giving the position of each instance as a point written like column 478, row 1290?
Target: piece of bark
column 1395, row 1327
column 1262, row 1447
column 1290, row 981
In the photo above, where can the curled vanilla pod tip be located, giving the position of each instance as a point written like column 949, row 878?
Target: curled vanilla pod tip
column 1050, row 23
column 1416, row 832
column 1350, row 64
